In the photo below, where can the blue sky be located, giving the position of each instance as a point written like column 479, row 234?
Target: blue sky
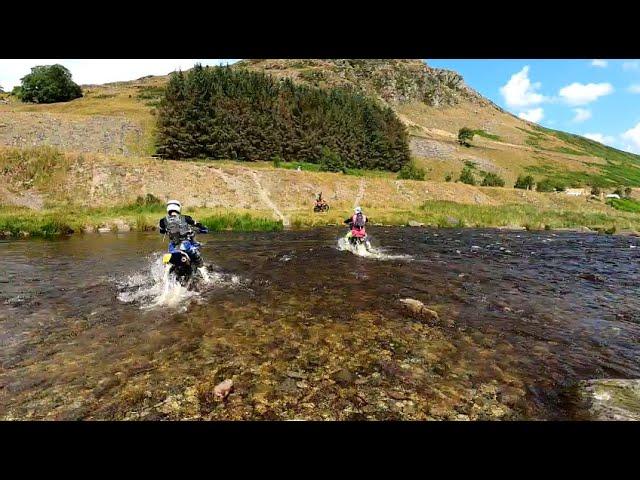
column 596, row 98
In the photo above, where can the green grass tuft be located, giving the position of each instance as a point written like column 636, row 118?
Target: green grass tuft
column 241, row 223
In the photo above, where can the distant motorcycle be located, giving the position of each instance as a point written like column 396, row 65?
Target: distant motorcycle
column 321, row 207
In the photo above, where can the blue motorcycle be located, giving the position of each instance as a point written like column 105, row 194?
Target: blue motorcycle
column 184, row 258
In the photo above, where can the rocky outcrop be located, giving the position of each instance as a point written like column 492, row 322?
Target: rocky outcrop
column 393, row 80
column 611, row 399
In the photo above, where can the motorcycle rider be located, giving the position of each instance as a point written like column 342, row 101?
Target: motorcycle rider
column 178, row 227
column 357, row 224
column 320, row 202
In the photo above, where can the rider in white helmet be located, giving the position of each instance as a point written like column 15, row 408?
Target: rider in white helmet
column 178, row 227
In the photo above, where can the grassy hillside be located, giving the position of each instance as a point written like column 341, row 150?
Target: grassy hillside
column 48, row 191
column 119, row 118
column 107, row 139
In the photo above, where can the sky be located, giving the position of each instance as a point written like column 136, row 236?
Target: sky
column 599, row 99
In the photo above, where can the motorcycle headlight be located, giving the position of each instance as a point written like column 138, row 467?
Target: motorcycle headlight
column 166, row 258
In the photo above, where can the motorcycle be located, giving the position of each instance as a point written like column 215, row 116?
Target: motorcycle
column 321, row 207
column 356, row 241
column 184, row 260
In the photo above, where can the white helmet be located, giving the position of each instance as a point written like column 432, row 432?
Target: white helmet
column 358, row 210
column 173, row 206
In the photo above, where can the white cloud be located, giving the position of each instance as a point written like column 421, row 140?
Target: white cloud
column 599, row 63
column 599, row 137
column 634, row 65
column 635, row 88
column 582, row 114
column 633, row 136
column 520, row 92
column 581, row 94
column 533, row 115
column 99, row 70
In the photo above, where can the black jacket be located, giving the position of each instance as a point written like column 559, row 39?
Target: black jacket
column 187, row 218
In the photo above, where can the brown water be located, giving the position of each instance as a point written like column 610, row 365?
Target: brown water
column 307, row 331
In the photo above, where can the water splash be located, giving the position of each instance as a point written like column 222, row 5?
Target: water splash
column 368, row 251
column 155, row 287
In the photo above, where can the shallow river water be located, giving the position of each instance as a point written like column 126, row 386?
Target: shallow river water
column 88, row 329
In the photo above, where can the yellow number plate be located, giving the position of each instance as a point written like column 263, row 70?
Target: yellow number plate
column 166, row 257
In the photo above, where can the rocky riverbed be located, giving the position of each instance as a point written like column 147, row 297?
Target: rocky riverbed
column 450, row 325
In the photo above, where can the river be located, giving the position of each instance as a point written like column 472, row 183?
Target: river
column 307, row 331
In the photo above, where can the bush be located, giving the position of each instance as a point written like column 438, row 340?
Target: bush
column 277, row 161
column 618, row 191
column 595, row 190
column 48, row 84
column 465, row 135
column 492, row 180
column 466, row 176
column 550, row 185
column 148, row 200
column 331, row 161
column 448, row 177
column 627, row 192
column 545, row 185
column 411, row 172
column 525, row 182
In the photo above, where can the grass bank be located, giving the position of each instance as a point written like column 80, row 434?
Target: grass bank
column 447, row 214
column 19, row 221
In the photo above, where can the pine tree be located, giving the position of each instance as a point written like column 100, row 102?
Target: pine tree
column 218, row 112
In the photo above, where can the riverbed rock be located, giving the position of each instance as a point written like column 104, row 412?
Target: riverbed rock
column 419, row 310
column 413, row 223
column 511, row 227
column 611, row 399
column 104, row 229
column 343, row 377
column 121, row 226
column 223, row 389
column 592, row 277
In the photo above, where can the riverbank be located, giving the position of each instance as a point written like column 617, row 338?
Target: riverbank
column 24, row 222
column 48, row 192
